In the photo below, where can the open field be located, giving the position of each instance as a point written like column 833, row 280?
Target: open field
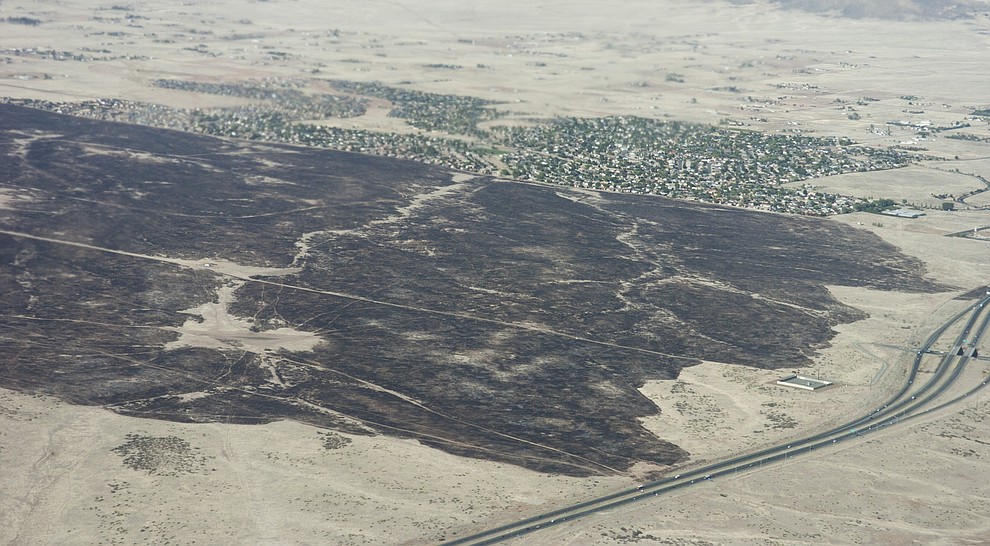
column 85, row 474
column 767, row 69
column 918, row 185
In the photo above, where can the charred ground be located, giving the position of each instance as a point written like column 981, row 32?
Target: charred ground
column 485, row 317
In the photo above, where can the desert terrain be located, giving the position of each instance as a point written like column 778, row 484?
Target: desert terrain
column 100, row 473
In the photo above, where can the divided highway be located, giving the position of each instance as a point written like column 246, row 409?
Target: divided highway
column 908, row 402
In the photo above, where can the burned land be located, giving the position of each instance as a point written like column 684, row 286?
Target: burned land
column 481, row 316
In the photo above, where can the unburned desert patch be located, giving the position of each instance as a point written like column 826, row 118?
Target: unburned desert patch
column 98, row 477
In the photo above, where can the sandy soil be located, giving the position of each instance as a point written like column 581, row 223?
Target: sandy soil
column 281, row 483
column 916, row 484
column 287, row 483
column 217, row 328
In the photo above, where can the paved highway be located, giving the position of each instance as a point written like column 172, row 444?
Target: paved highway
column 908, row 402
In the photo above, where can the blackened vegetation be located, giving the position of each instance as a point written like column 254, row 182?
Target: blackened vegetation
column 160, row 455
column 490, row 319
column 975, row 293
column 332, row 440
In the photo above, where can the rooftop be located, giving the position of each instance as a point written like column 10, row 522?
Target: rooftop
column 802, row 382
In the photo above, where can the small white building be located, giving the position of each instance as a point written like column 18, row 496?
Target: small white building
column 904, row 213
column 802, row 382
